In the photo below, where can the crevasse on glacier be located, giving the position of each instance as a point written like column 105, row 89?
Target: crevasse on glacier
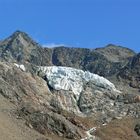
column 67, row 78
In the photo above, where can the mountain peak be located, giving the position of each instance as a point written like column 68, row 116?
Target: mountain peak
column 116, row 53
column 18, row 46
column 18, row 32
column 19, row 38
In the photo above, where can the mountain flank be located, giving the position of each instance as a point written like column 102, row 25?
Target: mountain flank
column 66, row 93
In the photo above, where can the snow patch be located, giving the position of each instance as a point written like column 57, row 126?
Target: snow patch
column 88, row 134
column 22, row 67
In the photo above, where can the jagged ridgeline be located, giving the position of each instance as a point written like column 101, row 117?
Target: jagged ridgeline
column 19, row 47
column 93, row 96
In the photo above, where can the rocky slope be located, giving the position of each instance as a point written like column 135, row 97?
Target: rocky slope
column 131, row 72
column 94, row 61
column 12, row 128
column 68, row 102
column 116, row 53
column 33, row 101
column 48, row 112
column 19, row 47
column 51, row 111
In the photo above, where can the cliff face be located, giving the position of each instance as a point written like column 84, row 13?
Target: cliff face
column 131, row 72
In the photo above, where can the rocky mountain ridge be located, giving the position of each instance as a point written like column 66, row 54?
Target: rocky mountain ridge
column 19, row 47
column 116, row 53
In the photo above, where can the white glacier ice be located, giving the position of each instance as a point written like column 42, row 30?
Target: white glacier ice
column 67, row 78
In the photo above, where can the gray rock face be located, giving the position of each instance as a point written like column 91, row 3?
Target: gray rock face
column 54, row 123
column 130, row 73
column 94, row 99
column 17, row 47
column 86, row 59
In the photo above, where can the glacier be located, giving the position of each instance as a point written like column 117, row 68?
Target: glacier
column 71, row 79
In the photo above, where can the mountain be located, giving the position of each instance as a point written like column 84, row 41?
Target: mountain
column 95, row 61
column 105, row 61
column 62, row 93
column 17, row 47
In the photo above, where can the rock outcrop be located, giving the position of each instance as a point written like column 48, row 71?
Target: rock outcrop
column 130, row 73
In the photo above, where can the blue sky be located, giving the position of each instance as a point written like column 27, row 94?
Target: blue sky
column 79, row 23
